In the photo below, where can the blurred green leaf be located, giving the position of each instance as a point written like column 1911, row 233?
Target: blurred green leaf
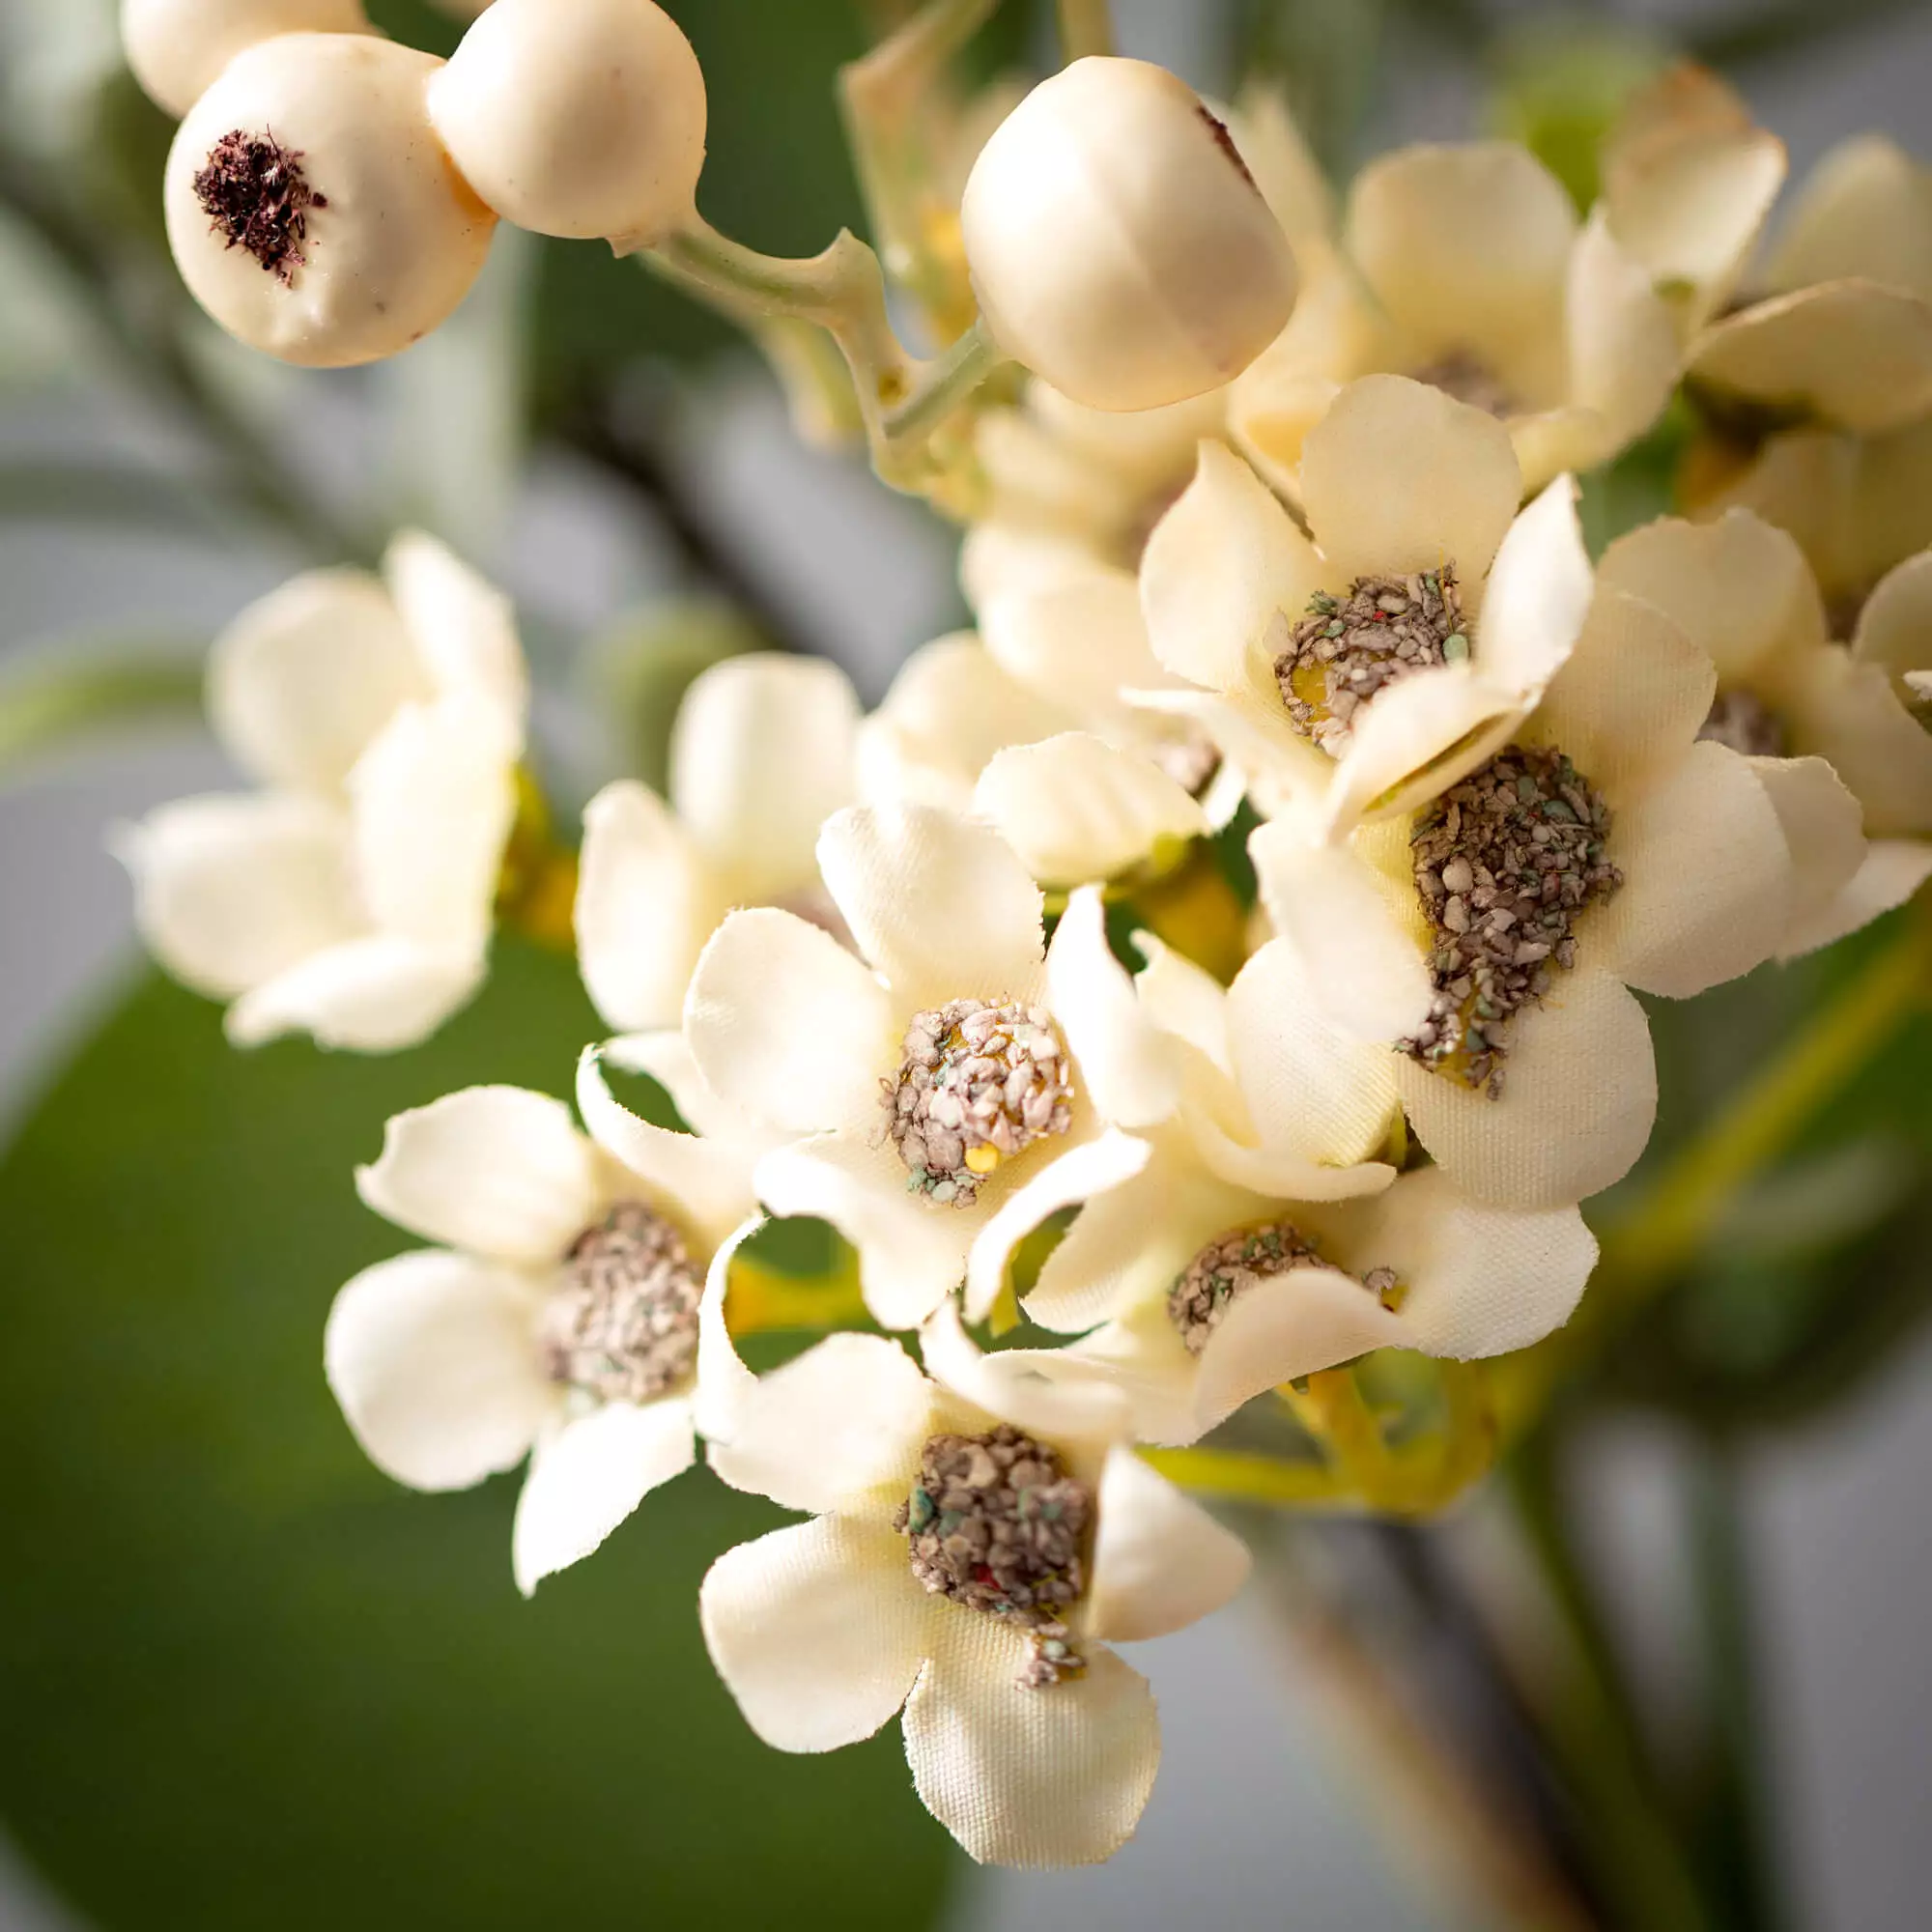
column 46, row 707
column 248, row 1681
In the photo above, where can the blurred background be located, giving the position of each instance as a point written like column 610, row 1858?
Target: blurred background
column 243, row 1679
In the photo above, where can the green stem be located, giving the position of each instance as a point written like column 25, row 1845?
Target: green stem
column 1736, row 1829
column 1086, row 27
column 945, row 384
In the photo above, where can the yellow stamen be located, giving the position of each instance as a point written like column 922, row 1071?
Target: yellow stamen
column 983, row 1159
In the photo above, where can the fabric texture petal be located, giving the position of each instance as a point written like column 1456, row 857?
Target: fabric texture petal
column 371, row 995
column 1128, row 1064
column 1160, row 1561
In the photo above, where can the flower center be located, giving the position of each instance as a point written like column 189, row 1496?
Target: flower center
column 623, row 1326
column 981, row 1081
column 1470, row 380
column 1504, row 863
column 1237, row 1261
column 996, row 1523
column 253, row 191
column 1742, row 720
column 1345, row 649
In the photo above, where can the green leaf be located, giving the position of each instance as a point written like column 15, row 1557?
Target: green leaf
column 250, row 1682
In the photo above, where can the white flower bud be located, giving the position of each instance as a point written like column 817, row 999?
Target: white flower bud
column 1117, row 244
column 579, row 117
column 177, row 47
column 311, row 208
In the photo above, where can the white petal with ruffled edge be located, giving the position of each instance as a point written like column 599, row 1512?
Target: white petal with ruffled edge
column 1160, row 1561
column 587, row 1476
column 1580, row 1096
column 367, row 995
column 1823, row 828
column 302, row 682
column 1538, row 596
column 433, row 1359
column 761, row 755
column 1125, row 1065
column 1894, row 629
column 818, row 1630
column 232, row 889
column 462, row 628
column 1033, row 1778
column 646, row 902
column 1623, row 343
column 1894, row 868
column 1075, row 646
column 834, row 1429
column 787, row 1026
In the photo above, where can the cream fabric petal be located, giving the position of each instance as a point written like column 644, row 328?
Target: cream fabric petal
column 462, row 628
column 1624, row 356
column 1465, row 244
column 1399, row 476
column 706, row 1182
column 1184, row 998
column 432, row 802
column 1284, row 167
column 498, row 1171
column 818, row 1630
column 1077, row 810
column 1075, row 1177
column 586, row 1477
column 832, row 1429
column 1143, row 1355
column 1025, row 1778
column 1846, row 712
column 1823, row 828
column 1894, row 629
column 1480, row 1280
column 761, row 755
column 1008, row 553
column 432, row 1357
column 1538, row 595
column 1707, row 878
column 1284, row 771
column 366, row 995
column 646, row 902
column 723, row 1387
column 1082, row 1415
column 666, row 1057
column 1865, row 209
column 1852, row 354
column 785, row 1025
column 1160, row 1561
column 232, row 889
column 943, row 908
column 1635, row 693
column 1123, row 1062
column 1579, row 1098
column 1075, row 645
column 1315, row 1091
column 912, row 1253
column 1217, row 569
column 304, row 678
column 1739, row 587
column 1894, row 868
column 1362, row 957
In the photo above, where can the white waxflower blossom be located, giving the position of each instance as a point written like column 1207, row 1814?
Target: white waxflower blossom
column 1792, row 701
column 761, row 753
column 1373, row 665
column 351, row 896
column 1028, row 1737
column 311, row 208
column 1263, row 1241
column 1465, row 267
column 1487, row 946
column 559, row 1317
column 1117, row 244
column 954, row 1077
column 176, row 48
column 579, row 117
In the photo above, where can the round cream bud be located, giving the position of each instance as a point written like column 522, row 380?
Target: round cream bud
column 579, row 117
column 1117, row 244
column 310, row 207
column 177, row 47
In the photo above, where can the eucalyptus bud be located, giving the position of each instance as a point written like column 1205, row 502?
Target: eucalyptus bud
column 178, row 47
column 310, row 207
column 578, row 118
column 1117, row 244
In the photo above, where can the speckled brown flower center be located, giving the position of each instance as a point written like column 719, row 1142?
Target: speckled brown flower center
column 254, row 194
column 1742, row 720
column 1237, row 1261
column 980, row 1082
column 1504, row 863
column 1345, row 649
column 995, row 1522
column 623, row 1325
column 1470, row 380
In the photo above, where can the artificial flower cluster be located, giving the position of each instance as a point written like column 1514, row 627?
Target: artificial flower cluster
column 899, row 971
